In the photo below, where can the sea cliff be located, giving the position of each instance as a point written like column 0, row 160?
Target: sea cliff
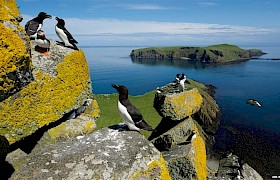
column 38, row 140
column 223, row 53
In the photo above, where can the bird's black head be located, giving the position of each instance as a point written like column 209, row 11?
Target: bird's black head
column 43, row 15
column 60, row 21
column 121, row 89
column 41, row 34
column 177, row 75
column 183, row 76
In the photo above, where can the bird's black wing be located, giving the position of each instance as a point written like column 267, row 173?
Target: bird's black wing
column 137, row 116
column 133, row 111
column 69, row 36
column 31, row 27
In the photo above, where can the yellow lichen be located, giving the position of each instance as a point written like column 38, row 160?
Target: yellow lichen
column 185, row 104
column 95, row 112
column 13, row 57
column 57, row 132
column 47, row 98
column 89, row 127
column 200, row 158
column 154, row 166
column 8, row 10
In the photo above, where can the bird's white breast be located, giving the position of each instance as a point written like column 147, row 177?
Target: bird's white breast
column 182, row 85
column 126, row 117
column 63, row 37
column 42, row 43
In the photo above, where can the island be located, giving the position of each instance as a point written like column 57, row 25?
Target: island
column 222, row 53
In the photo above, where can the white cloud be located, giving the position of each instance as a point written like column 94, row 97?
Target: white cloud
column 120, row 31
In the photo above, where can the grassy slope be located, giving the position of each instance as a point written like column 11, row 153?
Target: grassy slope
column 109, row 112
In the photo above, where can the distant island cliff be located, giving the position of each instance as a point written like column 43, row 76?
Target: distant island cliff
column 222, row 53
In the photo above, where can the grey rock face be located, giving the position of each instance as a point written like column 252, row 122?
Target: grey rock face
column 231, row 167
column 104, row 154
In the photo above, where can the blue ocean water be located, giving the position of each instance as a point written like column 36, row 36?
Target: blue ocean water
column 258, row 79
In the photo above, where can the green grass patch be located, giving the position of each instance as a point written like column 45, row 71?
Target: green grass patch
column 109, row 111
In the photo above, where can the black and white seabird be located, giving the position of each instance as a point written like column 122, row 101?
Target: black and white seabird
column 192, row 137
column 129, row 113
column 177, row 78
column 182, row 80
column 80, row 110
column 35, row 24
column 254, row 102
column 65, row 35
column 42, row 43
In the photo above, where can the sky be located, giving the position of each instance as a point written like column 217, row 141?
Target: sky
column 161, row 22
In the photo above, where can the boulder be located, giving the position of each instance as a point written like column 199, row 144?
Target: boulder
column 70, row 129
column 104, row 154
column 62, row 83
column 177, row 105
column 176, row 135
column 232, row 167
column 187, row 161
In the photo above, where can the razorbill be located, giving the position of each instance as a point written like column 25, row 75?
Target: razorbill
column 254, row 102
column 80, row 110
column 35, row 24
column 64, row 35
column 182, row 80
column 129, row 113
column 159, row 90
column 42, row 43
column 191, row 137
column 177, row 78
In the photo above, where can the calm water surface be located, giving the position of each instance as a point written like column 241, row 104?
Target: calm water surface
column 259, row 79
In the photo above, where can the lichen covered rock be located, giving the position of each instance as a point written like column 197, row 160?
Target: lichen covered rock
column 177, row 106
column 187, row 161
column 104, row 154
column 15, row 60
column 70, row 129
column 60, row 86
column 176, row 135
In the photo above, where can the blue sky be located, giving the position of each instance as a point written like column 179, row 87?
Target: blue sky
column 161, row 22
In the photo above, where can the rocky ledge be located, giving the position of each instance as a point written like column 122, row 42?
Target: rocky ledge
column 104, row 154
column 223, row 53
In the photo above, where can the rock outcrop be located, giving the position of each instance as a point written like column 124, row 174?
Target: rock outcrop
column 179, row 136
column 231, row 167
column 222, row 53
column 15, row 59
column 104, row 154
column 39, row 91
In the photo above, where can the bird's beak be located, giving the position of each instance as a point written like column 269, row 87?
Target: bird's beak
column 115, row 86
column 57, row 18
column 48, row 16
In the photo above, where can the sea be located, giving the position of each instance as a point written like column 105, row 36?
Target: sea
column 251, row 132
